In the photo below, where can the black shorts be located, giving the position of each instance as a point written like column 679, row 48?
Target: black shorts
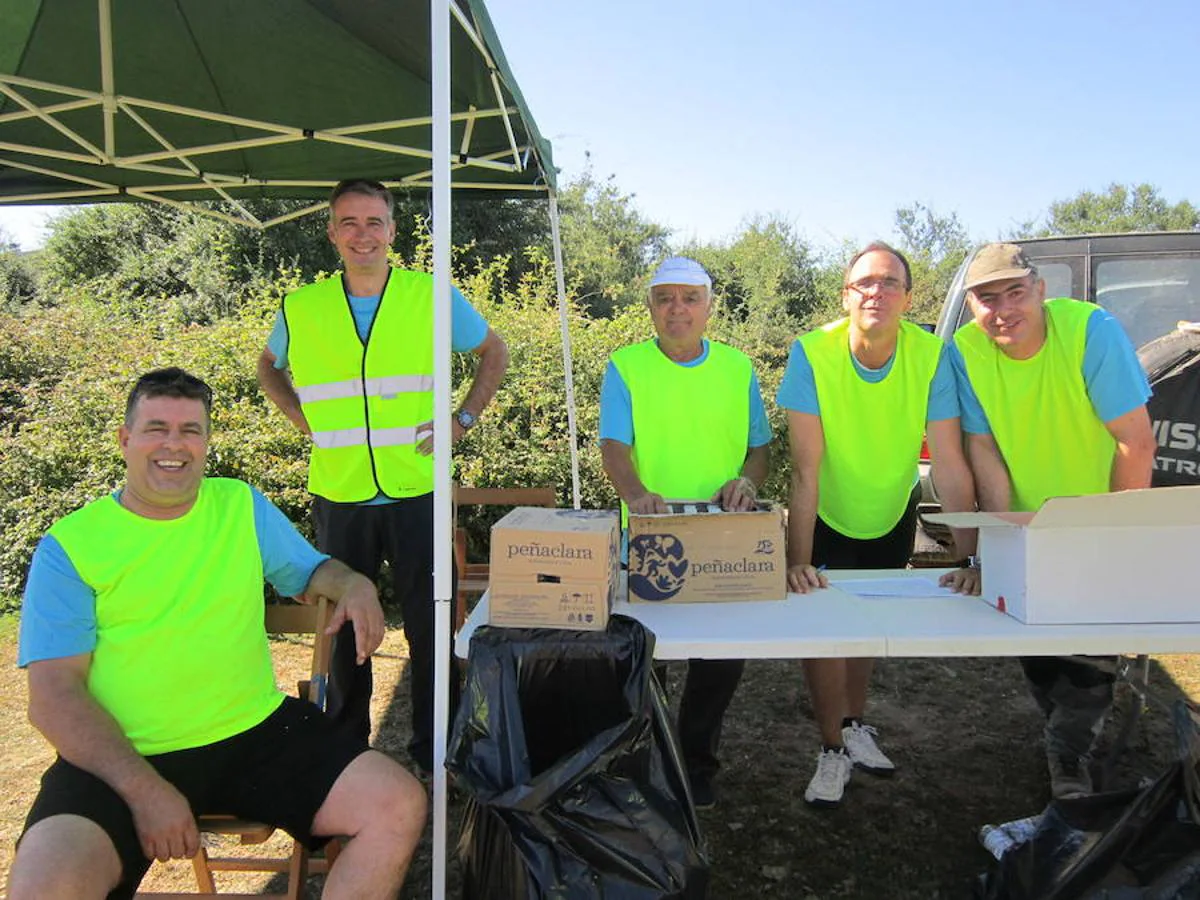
column 889, row 551
column 279, row 772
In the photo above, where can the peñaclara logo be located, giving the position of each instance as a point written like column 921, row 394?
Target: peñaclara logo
column 733, row 566
column 551, row 551
column 657, row 566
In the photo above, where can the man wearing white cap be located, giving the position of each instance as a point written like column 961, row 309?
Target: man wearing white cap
column 682, row 417
column 1053, row 404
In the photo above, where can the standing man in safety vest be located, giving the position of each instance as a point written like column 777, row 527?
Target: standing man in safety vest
column 860, row 394
column 682, row 417
column 360, row 349
column 1053, row 403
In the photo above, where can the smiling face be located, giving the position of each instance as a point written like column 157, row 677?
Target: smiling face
column 876, row 294
column 1010, row 311
column 680, row 313
column 165, row 445
column 362, row 230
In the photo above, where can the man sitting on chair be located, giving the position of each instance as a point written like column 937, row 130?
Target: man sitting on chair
column 149, row 671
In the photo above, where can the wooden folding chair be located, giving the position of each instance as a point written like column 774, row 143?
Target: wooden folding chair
column 473, row 577
column 284, row 618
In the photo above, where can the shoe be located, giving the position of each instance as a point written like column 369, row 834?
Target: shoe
column 704, row 795
column 860, row 746
column 1069, row 776
column 830, row 780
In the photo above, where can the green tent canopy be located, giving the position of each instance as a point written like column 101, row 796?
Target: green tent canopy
column 175, row 100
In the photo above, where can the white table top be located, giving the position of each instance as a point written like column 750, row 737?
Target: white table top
column 833, row 623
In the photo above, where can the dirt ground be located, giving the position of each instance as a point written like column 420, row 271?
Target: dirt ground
column 964, row 733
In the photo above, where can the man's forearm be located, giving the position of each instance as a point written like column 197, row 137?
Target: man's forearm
column 87, row 736
column 993, row 487
column 335, row 580
column 802, row 519
column 618, row 465
column 493, row 363
column 1132, row 468
column 276, row 384
column 757, row 464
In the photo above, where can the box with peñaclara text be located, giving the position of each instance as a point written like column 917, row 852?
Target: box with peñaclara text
column 1123, row 558
column 697, row 552
column 553, row 568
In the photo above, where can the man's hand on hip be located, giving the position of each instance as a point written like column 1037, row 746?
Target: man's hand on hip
column 425, row 436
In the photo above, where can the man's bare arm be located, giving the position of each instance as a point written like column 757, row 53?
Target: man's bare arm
column 993, row 487
column 1133, row 463
column 357, row 601
column 806, row 438
column 952, row 477
column 277, row 385
column 493, row 363
column 618, row 465
column 84, row 734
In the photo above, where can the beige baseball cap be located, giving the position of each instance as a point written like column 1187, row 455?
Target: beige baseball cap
column 997, row 262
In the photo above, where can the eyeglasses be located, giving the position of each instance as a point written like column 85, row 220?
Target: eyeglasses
column 886, row 285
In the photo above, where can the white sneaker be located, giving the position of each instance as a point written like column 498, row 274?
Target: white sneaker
column 830, row 780
column 860, row 746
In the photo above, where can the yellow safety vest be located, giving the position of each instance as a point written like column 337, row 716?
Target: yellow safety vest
column 873, row 430
column 364, row 402
column 691, row 424
column 181, row 656
column 1039, row 410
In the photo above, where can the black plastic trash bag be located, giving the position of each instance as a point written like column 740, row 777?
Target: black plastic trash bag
column 1123, row 845
column 575, row 785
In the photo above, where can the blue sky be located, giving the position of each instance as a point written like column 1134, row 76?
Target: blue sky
column 831, row 115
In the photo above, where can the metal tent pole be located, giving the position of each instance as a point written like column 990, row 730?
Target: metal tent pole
column 568, row 371
column 439, row 15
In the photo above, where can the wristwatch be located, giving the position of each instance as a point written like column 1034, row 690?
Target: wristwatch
column 465, row 419
column 974, row 562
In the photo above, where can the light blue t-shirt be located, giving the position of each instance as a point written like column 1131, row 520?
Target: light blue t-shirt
column 616, row 407
column 798, row 389
column 58, row 615
column 467, row 326
column 1116, row 383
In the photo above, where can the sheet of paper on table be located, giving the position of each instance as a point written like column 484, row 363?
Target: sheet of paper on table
column 892, row 587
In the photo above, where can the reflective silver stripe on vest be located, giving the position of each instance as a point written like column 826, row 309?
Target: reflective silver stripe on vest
column 398, row 384
column 396, row 437
column 331, row 390
column 388, row 386
column 344, row 437
column 355, row 437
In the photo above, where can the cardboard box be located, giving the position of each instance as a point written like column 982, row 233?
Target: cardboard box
column 1129, row 557
column 553, row 568
column 697, row 553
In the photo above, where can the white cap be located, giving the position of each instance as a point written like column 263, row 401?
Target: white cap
column 681, row 270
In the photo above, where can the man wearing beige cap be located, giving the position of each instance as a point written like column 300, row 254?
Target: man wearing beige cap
column 682, row 418
column 1053, row 403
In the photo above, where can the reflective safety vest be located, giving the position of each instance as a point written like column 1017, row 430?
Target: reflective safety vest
column 691, row 424
column 873, row 430
column 181, row 657
column 364, row 400
column 1039, row 410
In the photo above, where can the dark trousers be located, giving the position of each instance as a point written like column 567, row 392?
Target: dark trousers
column 363, row 537
column 1074, row 696
column 707, row 692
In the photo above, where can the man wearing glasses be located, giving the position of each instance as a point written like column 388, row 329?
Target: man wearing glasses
column 1053, row 403
column 149, row 672
column 359, row 347
column 860, row 394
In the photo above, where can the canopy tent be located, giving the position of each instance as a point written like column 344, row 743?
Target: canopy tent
column 170, row 101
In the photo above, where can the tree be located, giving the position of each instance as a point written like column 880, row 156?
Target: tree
column 18, row 283
column 1119, row 208
column 935, row 246
column 608, row 245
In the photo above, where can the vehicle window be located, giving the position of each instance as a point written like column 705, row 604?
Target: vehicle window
column 1058, row 280
column 1149, row 296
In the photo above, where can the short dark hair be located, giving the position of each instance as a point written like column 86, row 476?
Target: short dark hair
column 367, row 188
column 169, row 382
column 881, row 247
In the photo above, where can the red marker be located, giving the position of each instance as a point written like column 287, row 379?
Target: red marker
column 1000, row 603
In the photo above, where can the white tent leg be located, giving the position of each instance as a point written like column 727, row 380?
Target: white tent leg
column 439, row 15
column 568, row 370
